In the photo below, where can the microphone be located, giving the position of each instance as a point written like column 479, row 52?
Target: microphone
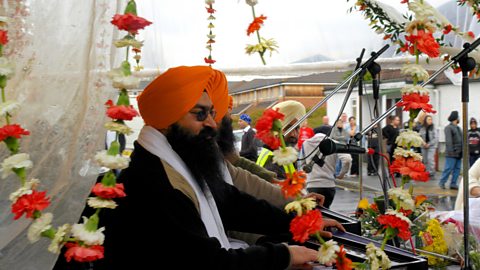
column 329, row 146
column 315, row 160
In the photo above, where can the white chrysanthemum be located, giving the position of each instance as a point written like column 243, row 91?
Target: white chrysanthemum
column 407, row 153
column 409, row 138
column 415, row 70
column 300, row 205
column 124, row 42
column 377, row 258
column 111, row 162
column 58, row 240
column 327, row 252
column 285, row 156
column 127, row 82
column 16, row 161
column 7, row 68
column 9, row 107
column 96, row 202
column 403, row 197
column 415, row 89
column 24, row 190
column 211, row 36
column 251, row 2
column 437, row 16
column 421, row 10
column 122, row 128
column 90, row 238
column 208, row 2
column 399, row 215
column 38, row 226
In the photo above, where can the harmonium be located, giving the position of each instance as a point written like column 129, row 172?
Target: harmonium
column 350, row 224
column 354, row 245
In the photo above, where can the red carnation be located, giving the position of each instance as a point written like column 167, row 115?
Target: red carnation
column 3, row 37
column 14, row 130
column 342, row 262
column 293, row 184
column 425, row 42
column 209, row 60
column 267, row 125
column 29, row 203
column 447, row 29
column 107, row 192
column 122, row 112
column 256, row 24
column 210, row 10
column 83, row 253
column 130, row 22
column 401, row 226
column 416, row 101
column 411, row 167
column 305, row 225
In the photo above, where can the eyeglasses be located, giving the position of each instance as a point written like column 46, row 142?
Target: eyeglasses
column 203, row 114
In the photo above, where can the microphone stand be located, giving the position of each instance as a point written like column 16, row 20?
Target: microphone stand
column 352, row 140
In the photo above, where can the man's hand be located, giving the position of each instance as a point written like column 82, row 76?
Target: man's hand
column 300, row 255
column 327, row 222
column 318, row 197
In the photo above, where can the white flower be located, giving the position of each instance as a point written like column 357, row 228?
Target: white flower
column 300, row 205
column 114, row 126
column 409, row 138
column 421, row 10
column 415, row 70
column 377, row 257
column 16, row 161
column 90, row 238
column 24, row 190
column 4, row 19
column 57, row 241
column 285, row 156
column 399, row 215
column 251, row 2
column 209, row 2
column 414, row 89
column 9, row 107
column 96, row 202
column 7, row 68
column 112, row 162
column 211, row 36
column 403, row 197
column 124, row 42
column 407, row 153
column 127, row 82
column 38, row 226
column 327, row 252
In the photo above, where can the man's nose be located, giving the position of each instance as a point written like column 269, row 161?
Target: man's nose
column 210, row 122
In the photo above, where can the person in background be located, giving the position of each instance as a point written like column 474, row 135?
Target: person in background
column 473, row 136
column 340, row 135
column 390, row 134
column 292, row 111
column 373, row 160
column 325, row 127
column 304, row 134
column 352, row 129
column 249, row 144
column 430, row 137
column 453, row 151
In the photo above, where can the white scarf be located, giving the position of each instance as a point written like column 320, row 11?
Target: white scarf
column 156, row 143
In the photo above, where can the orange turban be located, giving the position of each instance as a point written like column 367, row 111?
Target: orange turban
column 230, row 102
column 172, row 94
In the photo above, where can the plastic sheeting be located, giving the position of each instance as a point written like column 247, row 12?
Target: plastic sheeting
column 61, row 50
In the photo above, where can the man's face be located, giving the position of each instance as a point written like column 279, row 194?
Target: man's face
column 325, row 120
column 396, row 121
column 242, row 124
column 343, row 117
column 200, row 116
column 291, row 138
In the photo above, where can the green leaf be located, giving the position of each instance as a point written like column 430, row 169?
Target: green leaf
column 131, row 8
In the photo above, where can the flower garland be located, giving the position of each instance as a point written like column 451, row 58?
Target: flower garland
column 83, row 241
column 263, row 44
column 211, row 37
column 308, row 221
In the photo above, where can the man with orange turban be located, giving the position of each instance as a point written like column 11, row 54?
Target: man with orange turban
column 177, row 190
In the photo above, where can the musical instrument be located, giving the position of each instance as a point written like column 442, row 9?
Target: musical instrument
column 350, row 224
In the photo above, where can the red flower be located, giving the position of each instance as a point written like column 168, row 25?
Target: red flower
column 404, row 2
column 3, row 37
column 471, row 34
column 293, row 184
column 374, row 207
column 210, row 10
column 447, row 29
column 457, row 70
column 342, row 262
column 405, row 212
column 109, row 192
column 136, row 50
column 387, row 37
column 129, row 22
column 411, row 167
column 82, row 253
column 416, row 101
column 14, row 130
column 29, row 203
column 209, row 60
column 267, row 125
column 425, row 42
column 401, row 226
column 120, row 112
column 303, row 226
column 256, row 24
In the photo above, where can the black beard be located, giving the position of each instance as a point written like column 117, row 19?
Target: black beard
column 225, row 138
column 199, row 152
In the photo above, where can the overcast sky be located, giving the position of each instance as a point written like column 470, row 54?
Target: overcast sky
column 302, row 28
